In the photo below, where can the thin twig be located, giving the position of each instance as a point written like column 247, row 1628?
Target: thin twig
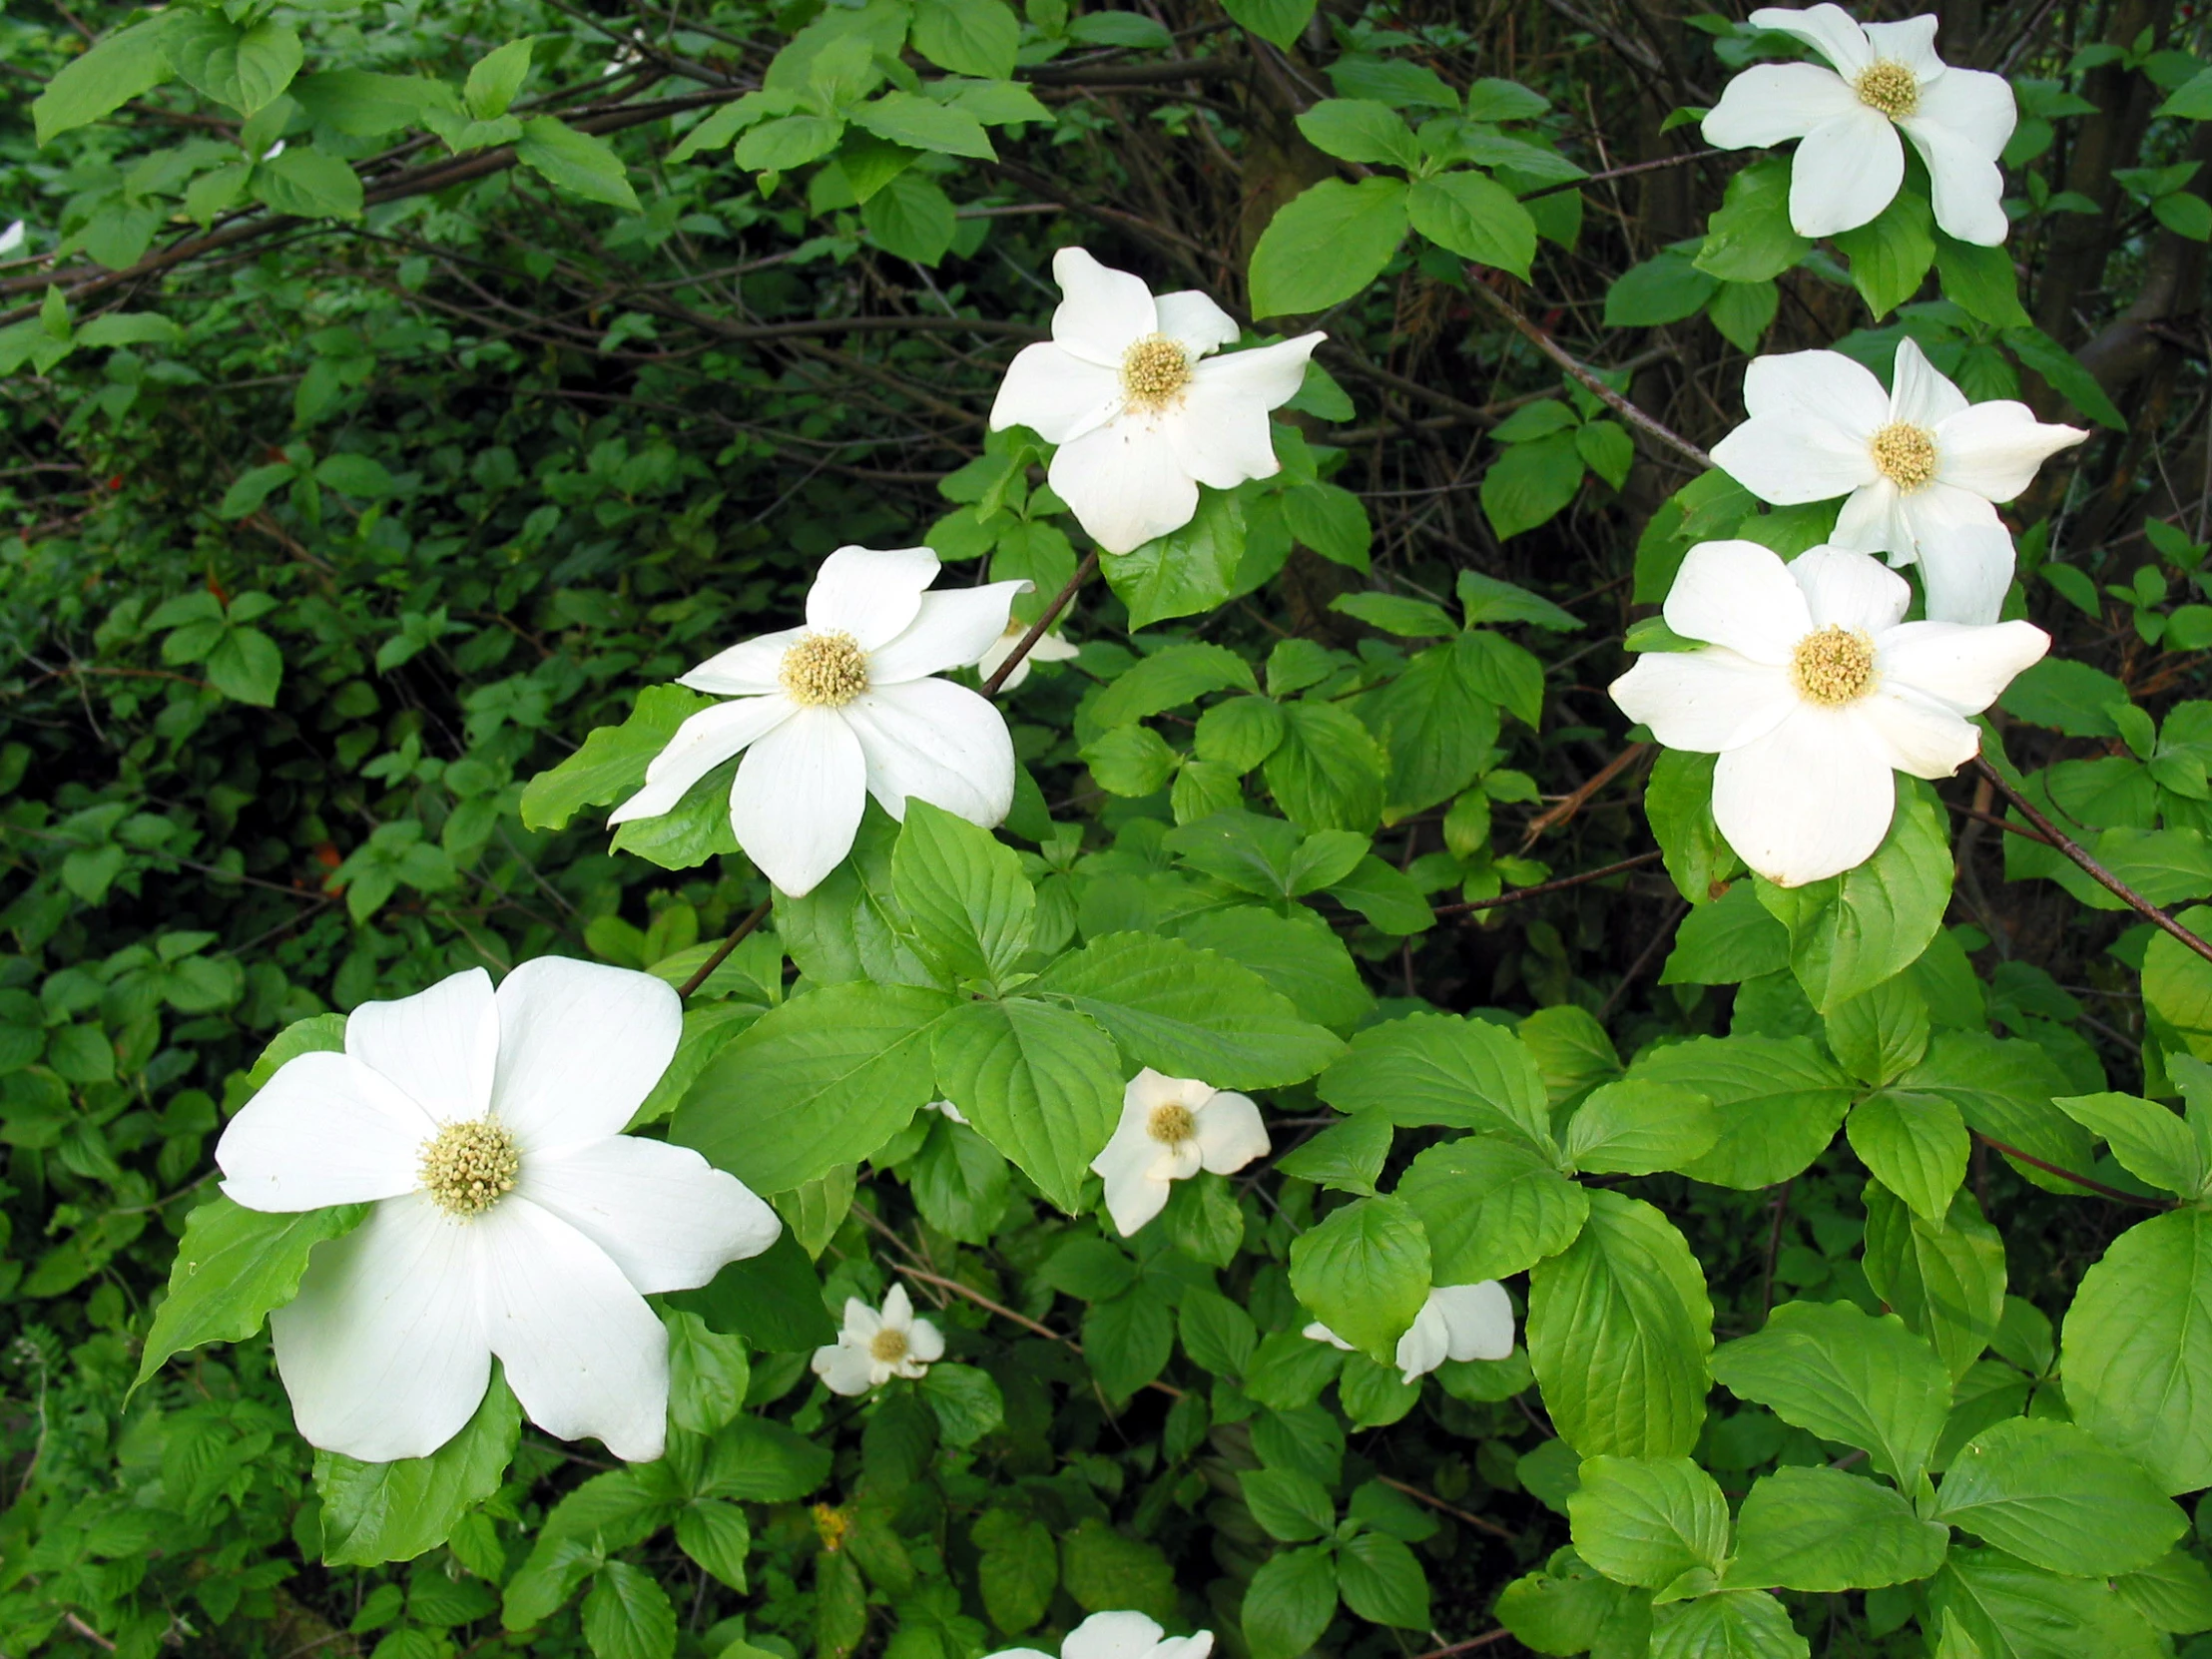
column 721, row 955
column 1467, row 1646
column 1542, row 888
column 1644, row 958
column 2098, row 1187
column 1566, row 809
column 1617, row 173
column 1478, row 1522
column 1027, row 642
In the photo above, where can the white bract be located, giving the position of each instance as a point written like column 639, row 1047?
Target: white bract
column 875, row 1347
column 1120, row 1636
column 843, row 708
column 1170, row 1129
column 1886, row 79
column 1141, row 414
column 1812, row 690
column 1050, row 648
column 12, row 238
column 512, row 1217
column 1922, row 468
column 1458, row 1322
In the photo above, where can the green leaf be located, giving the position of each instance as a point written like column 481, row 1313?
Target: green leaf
column 1849, row 933
column 1842, row 1375
column 1171, row 678
column 1348, row 1156
column 1980, row 281
column 966, row 1402
column 1532, row 483
column 1727, row 942
column 2011, row 1610
column 1491, row 1207
column 1359, row 130
column 1185, row 571
column 1288, row 1604
column 1778, row 1101
column 578, row 163
column 1436, row 720
column 790, row 141
column 1665, row 289
column 1440, row 1069
column 244, row 68
column 2150, row 1142
column 611, row 764
column 246, row 665
column 1620, row 1327
column 707, row 1373
column 1749, row 239
column 1299, row 954
column 716, row 1537
column 1332, row 521
column 628, row 1615
column 1880, row 1033
column 314, row 185
column 2174, row 1593
column 967, row 37
column 824, row 1080
column 1364, row 1273
column 1280, row 21
column 378, row 1513
column 1890, row 257
column 495, row 79
column 1571, row 1609
column 1947, row 1280
column 1821, row 1529
column 1735, row 1624
column 2138, row 1350
column 772, row 1300
column 1041, row 1084
column 115, row 71
column 2055, row 1496
column 1638, row 1127
column 1189, row 1013
column 1325, row 245
column 1648, row 1521
column 2002, row 1089
column 1382, row 1582
column 971, row 908
column 910, row 217
column 350, row 475
column 1474, row 217
column 923, row 124
column 2063, row 373
column 1128, row 1339
column 1678, row 799
column 1287, row 1504
column 1914, row 1143
column 1018, row 1570
column 1328, row 772
column 232, row 1266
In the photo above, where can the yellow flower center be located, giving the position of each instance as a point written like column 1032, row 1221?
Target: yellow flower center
column 1171, row 1125
column 1890, row 87
column 469, row 1167
column 830, row 1526
column 1154, row 371
column 1904, row 454
column 1833, row 665
column 825, row 670
column 887, row 1347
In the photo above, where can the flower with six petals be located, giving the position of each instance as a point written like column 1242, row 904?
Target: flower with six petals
column 1458, row 1322
column 1170, row 1129
column 875, row 1347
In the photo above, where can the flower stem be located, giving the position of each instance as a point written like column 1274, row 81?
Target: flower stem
column 722, row 953
column 1022, row 647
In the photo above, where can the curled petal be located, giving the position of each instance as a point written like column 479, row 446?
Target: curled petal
column 438, row 1047
column 1105, row 312
column 1964, row 552
column 1918, row 733
column 1056, row 394
column 1230, row 1133
column 954, row 628
column 1963, row 667
column 1966, row 186
column 1770, row 103
column 1827, row 29
column 1478, row 1319
column 701, row 744
column 1844, row 589
column 1793, row 456
column 1995, row 448
column 871, row 594
column 324, row 1130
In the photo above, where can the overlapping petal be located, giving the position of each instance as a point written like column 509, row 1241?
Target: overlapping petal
column 1126, row 483
column 1056, row 394
column 665, row 1216
column 1830, row 30
column 1737, row 594
column 701, row 744
column 874, row 594
column 1770, row 103
column 581, row 1045
column 1704, row 702
column 438, row 1047
column 953, row 629
column 797, row 801
column 1103, row 312
column 1846, row 172
column 1810, row 799
column 933, row 740
column 324, row 1130
column 1847, row 590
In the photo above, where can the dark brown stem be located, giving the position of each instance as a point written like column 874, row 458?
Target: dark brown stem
column 722, row 953
column 1478, row 1522
column 2095, row 872
column 1023, row 646
column 2098, row 1187
column 1467, row 1646
column 1616, row 173
column 1542, row 888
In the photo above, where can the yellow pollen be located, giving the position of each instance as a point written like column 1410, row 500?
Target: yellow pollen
column 1171, row 1125
column 887, row 1347
column 1154, row 373
column 1890, row 87
column 469, row 1167
column 830, row 1526
column 1833, row 665
column 825, row 670
column 1904, row 454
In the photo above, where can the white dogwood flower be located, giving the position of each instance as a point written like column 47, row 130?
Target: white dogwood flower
column 1141, row 413
column 1813, row 691
column 1050, row 648
column 1120, row 1636
column 946, row 1108
column 12, row 238
column 1458, row 1322
column 1170, row 1129
column 875, row 1347
column 1886, row 79
column 1922, row 468
column 843, row 708
column 512, row 1217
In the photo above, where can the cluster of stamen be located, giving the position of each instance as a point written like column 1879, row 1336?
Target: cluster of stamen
column 1171, row 1125
column 887, row 1347
column 1904, row 454
column 1890, row 87
column 1154, row 373
column 469, row 1167
column 830, row 1526
column 825, row 670
column 1833, row 665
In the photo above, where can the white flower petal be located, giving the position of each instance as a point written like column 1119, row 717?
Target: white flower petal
column 1230, row 1133
column 1770, row 103
column 1844, row 589
column 1221, row 431
column 1827, row 29
column 384, row 1351
column 1845, row 172
column 1995, row 448
column 583, row 1351
column 925, row 1342
column 1425, row 1345
column 12, row 238
column 438, row 1047
column 1976, row 107
column 1918, row 733
column 667, row 1218
column 955, row 627
column 1967, row 186
column 1911, row 43
column 1133, row 1196
column 1964, row 552
column 1705, row 701
column 1738, row 594
column 862, row 1323
column 1824, row 383
column 1811, row 799
column 1126, row 483
column 871, row 594
column 845, row 1369
column 324, row 1130
column 1320, row 1332
column 581, row 1045
column 1267, row 375
column 1793, row 456
column 1918, row 394
column 1112, row 1636
column 940, row 743
column 1478, row 1318
column 898, row 1310
column 1104, row 311
column 1870, row 521
column 751, row 667
column 701, row 744
column 1195, row 322
column 1056, row 394
column 1149, row 1090
column 1966, row 668
column 1194, row 1647
column 800, row 792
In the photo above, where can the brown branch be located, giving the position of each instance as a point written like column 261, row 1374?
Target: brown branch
column 736, row 937
column 1467, row 1646
column 1478, row 1522
column 1560, row 885
column 1617, row 173
column 1575, row 803
column 1028, row 641
column 2114, row 1193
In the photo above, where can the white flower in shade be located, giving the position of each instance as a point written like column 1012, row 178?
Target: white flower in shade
column 1458, row 1322
column 1120, row 1636
column 1886, row 79
column 1170, row 1129
column 875, row 1347
column 946, row 1109
column 1921, row 466
column 512, row 1217
column 1812, row 690
column 1050, row 648
column 12, row 238
column 843, row 708
column 1141, row 414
